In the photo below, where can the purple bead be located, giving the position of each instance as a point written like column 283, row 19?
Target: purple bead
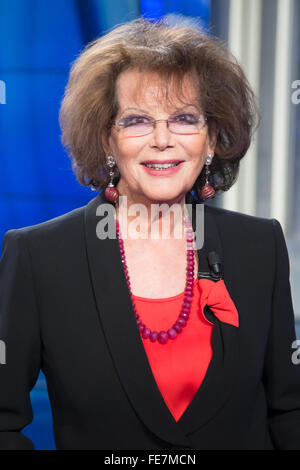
column 163, row 337
column 184, row 315
column 181, row 322
column 177, row 328
column 141, row 327
column 172, row 333
column 146, row 333
column 187, row 306
column 153, row 337
column 189, row 298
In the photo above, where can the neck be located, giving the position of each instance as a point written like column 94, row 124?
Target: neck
column 151, row 219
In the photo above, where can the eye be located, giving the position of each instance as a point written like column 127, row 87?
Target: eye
column 134, row 120
column 185, row 118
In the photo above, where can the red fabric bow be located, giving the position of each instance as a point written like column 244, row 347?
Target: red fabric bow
column 216, row 296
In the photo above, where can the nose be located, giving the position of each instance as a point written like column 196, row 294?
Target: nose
column 161, row 136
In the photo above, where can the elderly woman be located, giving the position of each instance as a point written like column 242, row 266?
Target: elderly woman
column 152, row 342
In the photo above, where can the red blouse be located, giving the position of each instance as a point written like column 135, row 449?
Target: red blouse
column 180, row 365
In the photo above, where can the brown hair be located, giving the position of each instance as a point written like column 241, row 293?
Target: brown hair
column 90, row 105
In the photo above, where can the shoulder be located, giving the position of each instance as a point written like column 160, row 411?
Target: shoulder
column 255, row 241
column 237, row 218
column 258, row 234
column 229, row 221
column 54, row 232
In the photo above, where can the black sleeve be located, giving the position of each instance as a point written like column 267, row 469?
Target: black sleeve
column 281, row 372
column 20, row 342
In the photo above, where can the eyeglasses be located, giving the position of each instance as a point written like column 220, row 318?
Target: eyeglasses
column 137, row 126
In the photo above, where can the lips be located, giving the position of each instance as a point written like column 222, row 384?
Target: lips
column 162, row 168
column 159, row 162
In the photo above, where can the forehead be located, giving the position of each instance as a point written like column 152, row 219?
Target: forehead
column 148, row 90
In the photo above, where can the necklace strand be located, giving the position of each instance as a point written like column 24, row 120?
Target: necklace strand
column 163, row 336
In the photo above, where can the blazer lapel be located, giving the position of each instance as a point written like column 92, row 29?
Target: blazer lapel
column 123, row 337
column 221, row 374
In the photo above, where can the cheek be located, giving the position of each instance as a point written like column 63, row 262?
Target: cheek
column 197, row 150
column 127, row 149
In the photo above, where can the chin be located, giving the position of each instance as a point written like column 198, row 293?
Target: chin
column 164, row 196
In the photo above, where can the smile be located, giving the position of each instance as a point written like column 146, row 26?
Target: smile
column 160, row 166
column 162, row 169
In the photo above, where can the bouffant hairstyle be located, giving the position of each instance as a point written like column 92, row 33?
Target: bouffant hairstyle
column 90, row 105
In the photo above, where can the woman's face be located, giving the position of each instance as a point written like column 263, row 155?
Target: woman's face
column 137, row 182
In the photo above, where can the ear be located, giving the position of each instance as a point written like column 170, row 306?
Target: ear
column 105, row 141
column 212, row 135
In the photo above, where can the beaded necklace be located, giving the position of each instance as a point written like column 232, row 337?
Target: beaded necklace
column 164, row 336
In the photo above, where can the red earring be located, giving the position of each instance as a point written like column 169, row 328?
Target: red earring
column 111, row 193
column 207, row 191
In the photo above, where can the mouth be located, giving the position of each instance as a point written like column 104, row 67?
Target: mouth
column 166, row 168
column 161, row 164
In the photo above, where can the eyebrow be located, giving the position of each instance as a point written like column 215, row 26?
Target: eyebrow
column 147, row 112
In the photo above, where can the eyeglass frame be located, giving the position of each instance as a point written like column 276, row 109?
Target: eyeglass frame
column 154, row 121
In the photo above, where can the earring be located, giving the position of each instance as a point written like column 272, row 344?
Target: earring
column 207, row 191
column 111, row 193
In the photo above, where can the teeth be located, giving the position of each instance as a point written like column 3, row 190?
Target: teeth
column 160, row 166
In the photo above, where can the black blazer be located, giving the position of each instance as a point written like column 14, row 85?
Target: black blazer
column 65, row 308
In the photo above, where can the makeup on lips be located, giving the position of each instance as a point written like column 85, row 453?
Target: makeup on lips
column 162, row 167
